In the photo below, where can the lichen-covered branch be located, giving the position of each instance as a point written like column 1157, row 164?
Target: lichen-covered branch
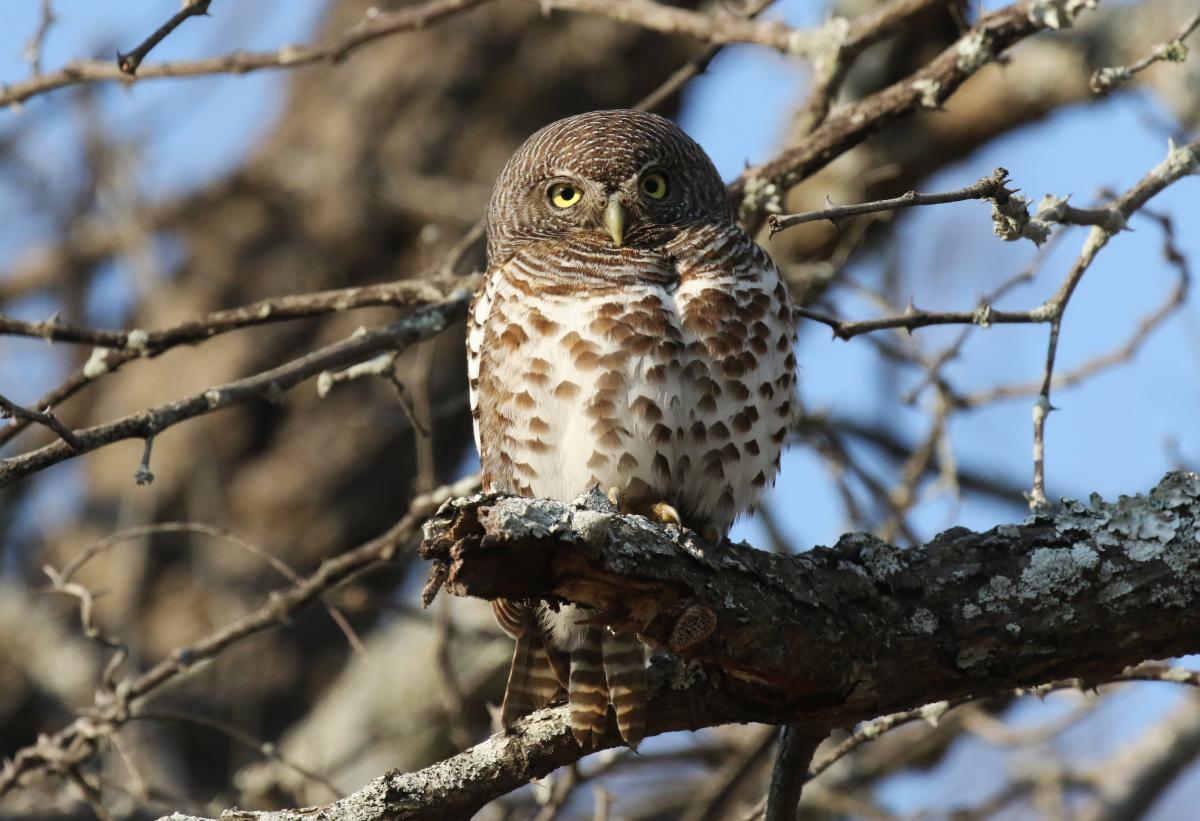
column 862, row 628
column 823, row 639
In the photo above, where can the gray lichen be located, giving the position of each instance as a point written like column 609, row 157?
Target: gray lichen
column 1054, row 572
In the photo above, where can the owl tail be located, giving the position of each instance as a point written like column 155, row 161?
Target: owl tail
column 532, row 680
column 625, row 670
column 607, row 668
column 587, row 690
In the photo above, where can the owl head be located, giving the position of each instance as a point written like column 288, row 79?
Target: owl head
column 615, row 179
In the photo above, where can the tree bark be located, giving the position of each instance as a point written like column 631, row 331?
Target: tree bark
column 819, row 640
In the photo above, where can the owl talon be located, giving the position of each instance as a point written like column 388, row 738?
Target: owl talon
column 614, row 496
column 663, row 513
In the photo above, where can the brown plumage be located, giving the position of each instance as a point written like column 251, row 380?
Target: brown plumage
column 627, row 335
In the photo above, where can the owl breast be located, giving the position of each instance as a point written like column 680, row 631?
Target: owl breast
column 670, row 383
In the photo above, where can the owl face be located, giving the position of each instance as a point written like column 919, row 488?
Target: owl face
column 607, row 179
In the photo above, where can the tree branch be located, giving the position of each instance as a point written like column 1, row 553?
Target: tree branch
column 270, row 385
column 989, row 187
column 758, row 191
column 1105, row 79
column 824, row 639
column 117, row 702
column 373, row 27
column 128, row 63
column 862, row 628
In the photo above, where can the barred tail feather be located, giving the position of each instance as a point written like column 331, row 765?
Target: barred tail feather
column 587, row 692
column 625, row 671
column 531, row 680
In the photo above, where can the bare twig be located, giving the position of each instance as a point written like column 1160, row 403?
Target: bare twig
column 695, row 66
column 10, row 409
column 270, row 385
column 36, row 42
column 404, row 293
column 1145, row 328
column 117, row 348
column 128, row 63
column 1173, row 51
column 992, row 186
column 1180, row 161
column 373, row 27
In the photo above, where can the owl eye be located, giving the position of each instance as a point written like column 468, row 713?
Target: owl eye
column 654, row 185
column 564, row 195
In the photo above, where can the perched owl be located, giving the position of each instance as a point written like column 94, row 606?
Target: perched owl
column 628, row 335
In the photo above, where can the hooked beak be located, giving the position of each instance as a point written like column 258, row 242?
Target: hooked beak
column 614, row 220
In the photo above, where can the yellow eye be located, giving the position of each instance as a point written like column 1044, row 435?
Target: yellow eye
column 564, row 195
column 654, row 185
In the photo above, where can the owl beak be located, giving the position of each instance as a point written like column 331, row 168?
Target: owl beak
column 614, row 220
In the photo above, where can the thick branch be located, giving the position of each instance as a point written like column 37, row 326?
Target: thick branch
column 820, row 640
column 863, row 628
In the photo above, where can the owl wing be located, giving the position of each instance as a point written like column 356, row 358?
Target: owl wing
column 477, row 317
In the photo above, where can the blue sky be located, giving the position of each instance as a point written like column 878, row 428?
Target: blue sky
column 1110, row 436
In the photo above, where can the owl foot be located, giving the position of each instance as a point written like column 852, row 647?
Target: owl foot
column 660, row 512
column 665, row 514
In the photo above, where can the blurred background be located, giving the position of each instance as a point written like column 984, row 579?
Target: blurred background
column 147, row 205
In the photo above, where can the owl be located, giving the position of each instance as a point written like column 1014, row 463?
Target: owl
column 627, row 335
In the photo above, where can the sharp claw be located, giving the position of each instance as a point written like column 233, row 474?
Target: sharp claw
column 663, row 512
column 614, row 496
